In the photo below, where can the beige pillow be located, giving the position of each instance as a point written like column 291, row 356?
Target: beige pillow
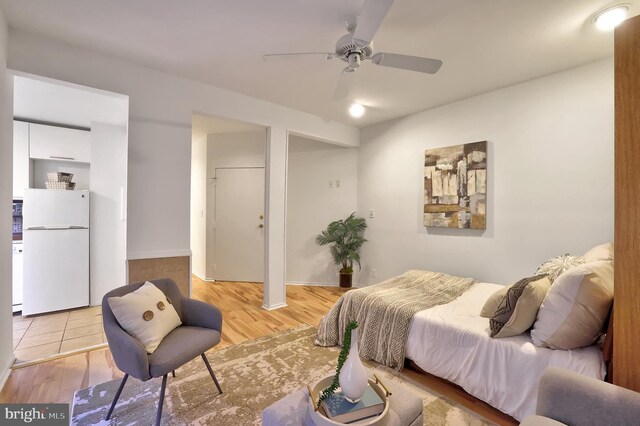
column 518, row 308
column 575, row 308
column 146, row 314
column 492, row 302
column 599, row 252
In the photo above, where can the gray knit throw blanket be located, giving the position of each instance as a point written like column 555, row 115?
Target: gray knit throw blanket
column 384, row 312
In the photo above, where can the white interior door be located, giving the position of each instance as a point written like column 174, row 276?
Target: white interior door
column 239, row 224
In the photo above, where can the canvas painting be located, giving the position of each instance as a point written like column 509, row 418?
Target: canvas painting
column 455, row 186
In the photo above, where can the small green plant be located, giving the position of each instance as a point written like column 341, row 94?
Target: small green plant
column 346, row 238
column 344, row 352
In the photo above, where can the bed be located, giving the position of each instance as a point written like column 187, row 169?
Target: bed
column 451, row 341
column 433, row 319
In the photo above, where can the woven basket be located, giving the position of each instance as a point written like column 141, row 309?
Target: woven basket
column 59, row 177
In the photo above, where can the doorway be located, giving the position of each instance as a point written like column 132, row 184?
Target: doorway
column 83, row 148
column 227, row 200
column 239, row 224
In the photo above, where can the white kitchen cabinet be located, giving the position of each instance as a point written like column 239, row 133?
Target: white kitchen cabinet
column 21, row 167
column 59, row 143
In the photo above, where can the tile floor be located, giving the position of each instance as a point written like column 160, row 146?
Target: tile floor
column 43, row 336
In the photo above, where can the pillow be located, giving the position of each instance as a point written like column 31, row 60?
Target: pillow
column 492, row 302
column 600, row 252
column 518, row 308
column 576, row 307
column 557, row 265
column 146, row 314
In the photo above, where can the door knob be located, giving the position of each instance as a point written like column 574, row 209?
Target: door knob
column 261, row 226
column 261, row 217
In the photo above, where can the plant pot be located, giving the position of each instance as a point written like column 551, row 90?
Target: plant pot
column 345, row 280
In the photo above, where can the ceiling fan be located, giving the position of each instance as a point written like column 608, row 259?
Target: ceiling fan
column 357, row 46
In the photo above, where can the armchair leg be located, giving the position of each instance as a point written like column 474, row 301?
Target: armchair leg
column 161, row 400
column 115, row 398
column 213, row 376
column 173, row 373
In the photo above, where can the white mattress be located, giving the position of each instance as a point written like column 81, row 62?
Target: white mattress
column 452, row 341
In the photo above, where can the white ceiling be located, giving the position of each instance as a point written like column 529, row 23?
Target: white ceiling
column 53, row 101
column 485, row 44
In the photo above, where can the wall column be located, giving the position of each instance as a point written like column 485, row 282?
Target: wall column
column 275, row 293
column 626, row 337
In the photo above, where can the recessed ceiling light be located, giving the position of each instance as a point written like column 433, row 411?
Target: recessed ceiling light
column 356, row 110
column 610, row 18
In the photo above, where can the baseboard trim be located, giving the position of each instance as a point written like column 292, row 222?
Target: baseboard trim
column 313, row 284
column 201, row 277
column 6, row 371
column 274, row 307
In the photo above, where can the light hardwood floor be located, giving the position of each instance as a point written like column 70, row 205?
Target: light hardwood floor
column 244, row 319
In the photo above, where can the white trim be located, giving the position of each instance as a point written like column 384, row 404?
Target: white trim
column 274, row 307
column 158, row 254
column 6, row 371
column 190, row 275
column 313, row 284
column 202, row 277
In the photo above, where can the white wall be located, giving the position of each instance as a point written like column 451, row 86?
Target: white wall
column 228, row 150
column 550, row 178
column 6, row 193
column 158, row 190
column 199, row 204
column 312, row 205
column 161, row 107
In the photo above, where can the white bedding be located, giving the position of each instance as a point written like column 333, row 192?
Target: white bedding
column 451, row 341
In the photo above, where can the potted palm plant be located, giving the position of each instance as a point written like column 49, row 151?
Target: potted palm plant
column 345, row 237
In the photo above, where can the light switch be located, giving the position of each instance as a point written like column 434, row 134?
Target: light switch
column 337, row 183
column 330, row 184
column 372, row 213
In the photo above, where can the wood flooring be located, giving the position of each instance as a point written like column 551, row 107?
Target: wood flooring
column 244, row 319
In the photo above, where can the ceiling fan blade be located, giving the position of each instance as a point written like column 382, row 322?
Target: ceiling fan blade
column 284, row 56
column 406, row 62
column 370, row 19
column 344, row 82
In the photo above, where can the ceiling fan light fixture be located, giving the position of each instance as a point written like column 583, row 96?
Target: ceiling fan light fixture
column 356, row 110
column 611, row 17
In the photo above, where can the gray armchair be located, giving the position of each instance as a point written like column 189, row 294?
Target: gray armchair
column 568, row 398
column 200, row 331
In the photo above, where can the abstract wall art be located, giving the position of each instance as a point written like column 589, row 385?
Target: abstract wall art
column 455, row 186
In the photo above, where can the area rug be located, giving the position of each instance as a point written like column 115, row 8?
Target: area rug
column 253, row 375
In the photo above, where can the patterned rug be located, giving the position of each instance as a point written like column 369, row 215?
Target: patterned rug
column 253, row 375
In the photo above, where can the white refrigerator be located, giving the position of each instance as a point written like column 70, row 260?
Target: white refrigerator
column 55, row 250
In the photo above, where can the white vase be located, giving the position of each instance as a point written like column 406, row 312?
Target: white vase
column 353, row 376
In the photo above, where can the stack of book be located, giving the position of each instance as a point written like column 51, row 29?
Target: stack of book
column 340, row 410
